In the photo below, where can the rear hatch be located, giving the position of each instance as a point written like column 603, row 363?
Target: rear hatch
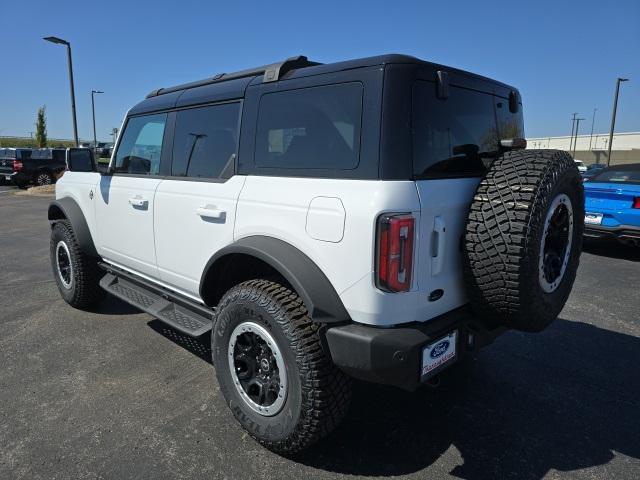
column 615, row 201
column 6, row 161
column 454, row 140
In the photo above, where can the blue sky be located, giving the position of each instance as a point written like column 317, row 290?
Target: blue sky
column 564, row 56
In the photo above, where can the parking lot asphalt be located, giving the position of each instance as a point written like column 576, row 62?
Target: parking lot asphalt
column 115, row 394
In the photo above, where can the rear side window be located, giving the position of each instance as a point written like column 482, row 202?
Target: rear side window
column 23, row 154
column 141, row 145
column 310, row 128
column 205, row 141
column 456, row 136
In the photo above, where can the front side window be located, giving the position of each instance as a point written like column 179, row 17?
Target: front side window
column 141, row 145
column 456, row 136
column 310, row 128
column 205, row 141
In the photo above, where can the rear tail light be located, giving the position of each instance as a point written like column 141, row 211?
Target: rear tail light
column 636, row 202
column 17, row 165
column 394, row 261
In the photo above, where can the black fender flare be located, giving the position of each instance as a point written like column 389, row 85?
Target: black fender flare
column 321, row 299
column 67, row 208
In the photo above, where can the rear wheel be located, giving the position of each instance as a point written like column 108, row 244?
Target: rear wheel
column 76, row 273
column 524, row 237
column 272, row 370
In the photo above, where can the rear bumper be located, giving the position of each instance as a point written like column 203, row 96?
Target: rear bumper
column 623, row 233
column 393, row 356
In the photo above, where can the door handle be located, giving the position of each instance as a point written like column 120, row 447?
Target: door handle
column 137, row 201
column 210, row 211
column 437, row 257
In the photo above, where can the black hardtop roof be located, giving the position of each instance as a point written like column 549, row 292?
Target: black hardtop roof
column 232, row 85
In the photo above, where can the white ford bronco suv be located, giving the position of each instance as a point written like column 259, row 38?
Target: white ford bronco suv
column 375, row 218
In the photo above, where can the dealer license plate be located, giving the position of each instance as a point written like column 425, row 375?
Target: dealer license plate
column 438, row 354
column 593, row 218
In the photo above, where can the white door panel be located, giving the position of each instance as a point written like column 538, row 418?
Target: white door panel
column 193, row 220
column 331, row 221
column 124, row 219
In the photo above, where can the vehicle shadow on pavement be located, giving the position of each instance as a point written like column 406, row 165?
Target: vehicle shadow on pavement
column 562, row 400
column 612, row 249
column 114, row 306
column 200, row 346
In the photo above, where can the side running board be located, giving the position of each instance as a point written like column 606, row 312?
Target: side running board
column 182, row 314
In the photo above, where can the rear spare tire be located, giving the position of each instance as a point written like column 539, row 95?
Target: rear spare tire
column 524, row 237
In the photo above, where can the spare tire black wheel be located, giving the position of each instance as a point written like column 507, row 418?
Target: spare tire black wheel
column 523, row 238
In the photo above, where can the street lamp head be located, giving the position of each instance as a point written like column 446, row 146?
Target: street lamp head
column 97, row 91
column 56, row 40
column 623, row 79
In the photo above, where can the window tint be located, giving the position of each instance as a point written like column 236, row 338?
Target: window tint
column 455, row 136
column 510, row 125
column 205, row 141
column 618, row 175
column 141, row 145
column 314, row 128
column 24, row 154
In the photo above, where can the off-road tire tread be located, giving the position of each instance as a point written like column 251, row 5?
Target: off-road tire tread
column 87, row 291
column 504, row 222
column 326, row 390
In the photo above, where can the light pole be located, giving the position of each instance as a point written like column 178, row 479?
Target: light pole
column 613, row 117
column 93, row 112
column 60, row 41
column 593, row 121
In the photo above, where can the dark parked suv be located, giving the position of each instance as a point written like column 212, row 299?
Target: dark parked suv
column 23, row 166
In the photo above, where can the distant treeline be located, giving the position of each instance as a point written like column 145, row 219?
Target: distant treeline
column 25, row 142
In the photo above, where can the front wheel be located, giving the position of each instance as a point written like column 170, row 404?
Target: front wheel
column 76, row 273
column 272, row 370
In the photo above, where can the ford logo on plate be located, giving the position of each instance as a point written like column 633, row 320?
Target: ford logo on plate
column 440, row 349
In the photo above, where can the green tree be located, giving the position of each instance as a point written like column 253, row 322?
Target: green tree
column 41, row 128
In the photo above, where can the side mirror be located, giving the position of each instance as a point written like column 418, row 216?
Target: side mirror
column 80, row 160
column 513, row 144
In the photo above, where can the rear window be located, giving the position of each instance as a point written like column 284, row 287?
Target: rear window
column 456, row 136
column 621, row 175
column 310, row 128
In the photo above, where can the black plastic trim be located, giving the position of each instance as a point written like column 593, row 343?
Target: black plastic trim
column 306, row 278
column 72, row 212
column 393, row 356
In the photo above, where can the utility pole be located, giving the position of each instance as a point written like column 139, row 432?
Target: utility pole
column 573, row 126
column 593, row 121
column 613, row 117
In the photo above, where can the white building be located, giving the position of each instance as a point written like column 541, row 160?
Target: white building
column 591, row 149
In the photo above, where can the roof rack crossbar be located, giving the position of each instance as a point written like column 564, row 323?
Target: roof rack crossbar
column 272, row 73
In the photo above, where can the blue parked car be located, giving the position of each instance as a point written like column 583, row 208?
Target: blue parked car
column 612, row 204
